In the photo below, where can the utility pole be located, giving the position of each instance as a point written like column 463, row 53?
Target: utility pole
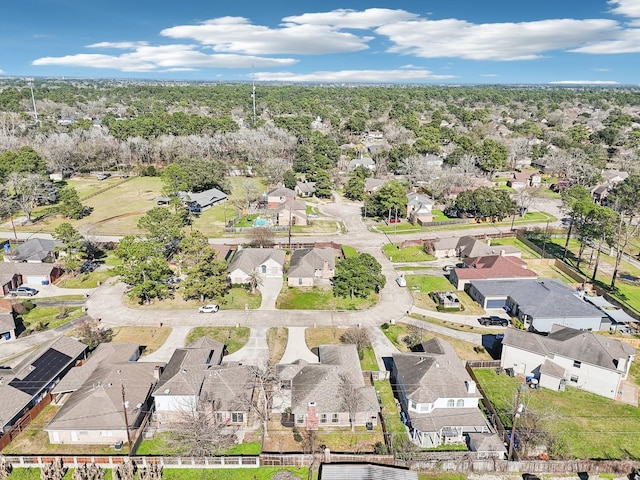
column 516, row 414
column 126, row 418
column 544, row 242
column 290, row 229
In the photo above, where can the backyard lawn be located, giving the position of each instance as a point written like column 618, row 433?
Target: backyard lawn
column 414, row 253
column 583, row 425
column 160, row 444
column 262, row 473
column 46, row 318
column 421, row 285
column 527, row 252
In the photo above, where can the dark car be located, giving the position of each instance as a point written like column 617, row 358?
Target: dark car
column 493, row 321
column 88, row 266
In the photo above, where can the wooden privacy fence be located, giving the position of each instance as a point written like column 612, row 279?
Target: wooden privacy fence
column 24, row 421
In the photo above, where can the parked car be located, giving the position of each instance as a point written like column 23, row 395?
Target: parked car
column 88, row 266
column 448, row 268
column 493, row 320
column 23, row 291
column 103, row 176
column 208, row 309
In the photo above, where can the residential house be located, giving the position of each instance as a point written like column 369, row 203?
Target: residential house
column 620, row 320
column 195, row 374
column 268, row 262
column 520, row 180
column 569, row 357
column 292, row 212
column 372, row 185
column 467, row 246
column 438, row 397
column 34, row 250
column 366, row 162
column 7, row 321
column 419, row 208
column 278, row 196
column 205, row 199
column 538, row 304
column 305, row 189
column 223, row 251
column 109, row 406
column 364, row 471
column 9, row 277
column 15, row 274
column 311, row 266
column 323, row 394
column 374, row 135
column 486, row 445
column 490, row 267
column 26, row 384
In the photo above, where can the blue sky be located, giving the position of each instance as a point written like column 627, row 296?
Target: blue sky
column 431, row 42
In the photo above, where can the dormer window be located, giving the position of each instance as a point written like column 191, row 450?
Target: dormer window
column 576, row 364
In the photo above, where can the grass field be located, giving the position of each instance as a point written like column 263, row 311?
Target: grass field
column 389, row 409
column 160, row 444
column 84, row 280
column 234, row 338
column 432, row 283
column 151, row 338
column 414, row 253
column 584, row 425
column 235, row 299
column 320, row 298
column 46, row 318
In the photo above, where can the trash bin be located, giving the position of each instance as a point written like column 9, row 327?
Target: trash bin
column 45, row 282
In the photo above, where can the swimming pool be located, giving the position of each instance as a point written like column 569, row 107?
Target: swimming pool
column 260, row 222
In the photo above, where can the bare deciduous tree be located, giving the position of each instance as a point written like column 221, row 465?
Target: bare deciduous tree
column 357, row 337
column 261, row 237
column 124, row 471
column 5, row 468
column 265, row 386
column 53, row 471
column 88, row 472
column 24, row 190
column 351, row 396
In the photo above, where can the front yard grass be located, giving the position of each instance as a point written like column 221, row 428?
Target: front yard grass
column 45, row 317
column 85, row 280
column 585, row 425
column 235, row 299
column 277, row 338
column 414, row 253
column 150, row 338
column 233, row 337
column 320, row 298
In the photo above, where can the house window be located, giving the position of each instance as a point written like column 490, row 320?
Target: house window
column 263, row 268
column 460, row 403
column 105, row 433
column 576, row 364
column 574, row 378
column 323, row 418
column 334, row 418
column 451, row 403
column 412, row 405
column 300, row 281
column 300, row 419
column 219, row 418
column 237, row 417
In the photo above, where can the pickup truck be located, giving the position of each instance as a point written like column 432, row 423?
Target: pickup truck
column 493, row 320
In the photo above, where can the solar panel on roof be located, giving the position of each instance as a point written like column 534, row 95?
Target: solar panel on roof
column 44, row 370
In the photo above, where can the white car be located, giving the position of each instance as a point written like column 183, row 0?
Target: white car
column 208, row 309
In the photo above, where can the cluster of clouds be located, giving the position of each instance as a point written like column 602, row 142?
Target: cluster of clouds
column 235, row 42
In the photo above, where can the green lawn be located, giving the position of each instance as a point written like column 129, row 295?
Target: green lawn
column 234, row 338
column 45, row 318
column 349, row 252
column 159, row 445
column 390, row 411
column 415, row 253
column 439, row 216
column 429, row 283
column 237, row 298
column 583, row 425
column 320, row 298
column 85, row 280
column 262, row 473
column 432, row 283
column 368, row 361
column 527, row 252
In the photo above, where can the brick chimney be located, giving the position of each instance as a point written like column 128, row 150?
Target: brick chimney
column 312, row 416
column 157, row 371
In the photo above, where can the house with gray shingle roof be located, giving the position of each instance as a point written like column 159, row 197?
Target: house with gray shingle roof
column 467, row 246
column 438, row 397
column 566, row 356
column 311, row 266
column 305, row 189
column 268, row 262
column 26, row 384
column 291, row 212
column 195, row 374
column 34, row 250
column 316, row 393
column 278, row 196
column 538, row 304
column 419, row 208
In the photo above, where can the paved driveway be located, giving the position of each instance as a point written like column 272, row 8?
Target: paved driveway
column 255, row 352
column 270, row 290
column 297, row 347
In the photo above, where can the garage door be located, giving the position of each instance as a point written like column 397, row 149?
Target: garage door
column 496, row 303
column 34, row 279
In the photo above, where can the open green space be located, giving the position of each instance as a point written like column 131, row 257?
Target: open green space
column 349, row 252
column 368, row 361
column 320, row 298
column 84, row 280
column 580, row 424
column 237, row 298
column 46, row 318
column 233, row 337
column 527, row 252
column 414, row 253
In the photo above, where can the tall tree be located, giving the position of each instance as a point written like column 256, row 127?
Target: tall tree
column 357, row 276
column 575, row 202
column 174, row 180
column 390, row 198
column 625, row 199
column 69, row 204
column 206, row 277
column 164, row 227
column 73, row 246
column 24, row 190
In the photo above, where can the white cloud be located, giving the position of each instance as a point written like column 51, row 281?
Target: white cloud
column 343, row 18
column 585, row 82
column 119, row 45
column 237, row 35
column 146, row 58
column 497, row 41
column 628, row 8
column 602, row 69
column 353, row 76
column 488, row 75
column 1, row 72
column 627, row 41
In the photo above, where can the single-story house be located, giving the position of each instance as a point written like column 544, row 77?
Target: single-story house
column 419, row 208
column 538, row 304
column 268, row 262
column 34, row 250
column 9, row 277
column 569, row 357
column 27, row 383
column 372, row 185
column 223, row 251
column 437, row 395
column 490, row 267
column 7, row 321
column 366, row 162
column 278, row 196
column 311, row 266
column 195, row 374
column 204, row 199
column 292, row 212
column 323, row 394
column 16, row 274
column 305, row 189
column 466, row 246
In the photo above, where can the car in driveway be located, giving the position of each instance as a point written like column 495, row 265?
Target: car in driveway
column 448, row 268
column 23, row 291
column 208, row 308
column 493, row 321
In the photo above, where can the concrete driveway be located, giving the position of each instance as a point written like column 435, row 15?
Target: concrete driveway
column 270, row 289
column 255, row 352
column 297, row 347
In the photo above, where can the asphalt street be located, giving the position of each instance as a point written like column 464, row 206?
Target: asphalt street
column 105, row 302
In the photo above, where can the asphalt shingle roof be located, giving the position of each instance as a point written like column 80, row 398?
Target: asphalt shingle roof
column 305, row 261
column 248, row 259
